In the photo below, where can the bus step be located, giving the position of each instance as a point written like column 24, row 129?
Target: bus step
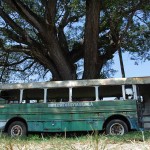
column 146, row 129
column 146, row 125
column 146, row 119
column 146, row 115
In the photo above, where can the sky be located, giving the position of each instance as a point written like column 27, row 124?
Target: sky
column 131, row 70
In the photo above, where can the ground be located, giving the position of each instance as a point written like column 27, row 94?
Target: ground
column 131, row 141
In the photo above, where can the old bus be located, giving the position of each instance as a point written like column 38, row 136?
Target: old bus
column 115, row 106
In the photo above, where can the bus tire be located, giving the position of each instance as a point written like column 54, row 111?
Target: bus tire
column 116, row 127
column 17, row 129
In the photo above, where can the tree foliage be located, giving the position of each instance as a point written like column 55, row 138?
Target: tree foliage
column 42, row 36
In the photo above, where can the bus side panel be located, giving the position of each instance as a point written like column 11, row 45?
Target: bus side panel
column 75, row 116
column 90, row 125
column 60, row 126
column 35, row 126
column 3, row 117
column 45, row 126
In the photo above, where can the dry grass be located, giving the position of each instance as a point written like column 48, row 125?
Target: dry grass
column 131, row 141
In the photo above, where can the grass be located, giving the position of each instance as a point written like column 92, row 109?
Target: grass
column 96, row 141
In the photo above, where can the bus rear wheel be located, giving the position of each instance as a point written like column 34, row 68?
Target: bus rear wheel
column 17, row 129
column 116, row 127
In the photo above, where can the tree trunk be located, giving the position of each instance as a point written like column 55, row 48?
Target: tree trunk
column 91, row 68
column 60, row 60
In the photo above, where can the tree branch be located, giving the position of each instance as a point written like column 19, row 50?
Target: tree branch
column 127, row 25
column 4, row 67
column 50, row 12
column 77, row 52
column 136, row 7
column 64, row 21
column 23, row 34
column 16, row 63
column 18, row 48
column 109, row 51
column 15, row 26
column 26, row 13
column 48, row 63
column 26, row 68
column 12, row 35
column 11, row 23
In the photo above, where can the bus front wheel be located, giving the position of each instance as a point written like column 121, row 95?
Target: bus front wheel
column 17, row 129
column 116, row 127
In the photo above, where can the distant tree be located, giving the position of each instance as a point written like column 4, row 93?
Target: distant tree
column 41, row 36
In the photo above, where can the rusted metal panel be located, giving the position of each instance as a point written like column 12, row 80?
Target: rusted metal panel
column 72, row 116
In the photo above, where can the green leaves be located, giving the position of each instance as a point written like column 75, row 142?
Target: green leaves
column 30, row 33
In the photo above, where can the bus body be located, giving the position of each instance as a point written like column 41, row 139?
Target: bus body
column 69, row 116
column 84, row 105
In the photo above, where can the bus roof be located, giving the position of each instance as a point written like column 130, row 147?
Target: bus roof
column 77, row 83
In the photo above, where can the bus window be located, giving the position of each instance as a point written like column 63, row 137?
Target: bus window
column 110, row 92
column 83, row 94
column 30, row 101
column 2, row 100
column 129, row 93
column 110, row 98
column 33, row 96
column 58, row 95
column 12, row 96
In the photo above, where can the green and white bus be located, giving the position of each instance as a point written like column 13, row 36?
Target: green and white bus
column 115, row 105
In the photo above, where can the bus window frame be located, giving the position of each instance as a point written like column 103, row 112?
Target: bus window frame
column 70, row 94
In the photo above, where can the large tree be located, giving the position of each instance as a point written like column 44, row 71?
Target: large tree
column 54, row 34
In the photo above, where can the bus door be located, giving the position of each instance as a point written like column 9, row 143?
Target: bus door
column 144, row 103
column 132, row 92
